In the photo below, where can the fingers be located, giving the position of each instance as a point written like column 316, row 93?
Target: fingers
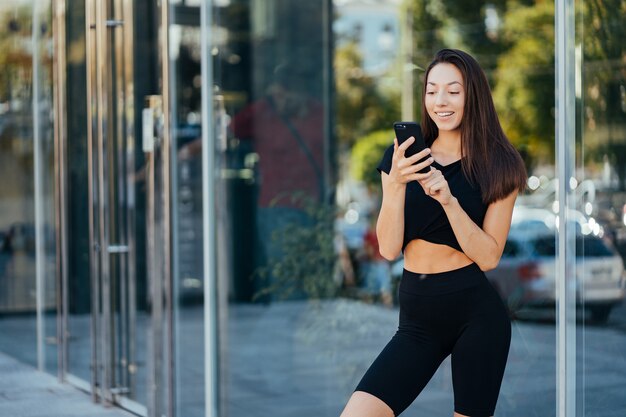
column 436, row 182
column 407, row 168
column 420, row 155
column 421, row 177
column 435, row 188
column 401, row 149
column 412, row 169
column 408, row 165
column 434, row 178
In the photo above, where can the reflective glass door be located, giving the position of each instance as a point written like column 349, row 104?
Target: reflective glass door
column 117, row 294
column 116, row 371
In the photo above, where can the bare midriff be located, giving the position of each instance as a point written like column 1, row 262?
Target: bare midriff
column 425, row 257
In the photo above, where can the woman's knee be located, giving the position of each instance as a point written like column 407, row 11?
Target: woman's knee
column 363, row 404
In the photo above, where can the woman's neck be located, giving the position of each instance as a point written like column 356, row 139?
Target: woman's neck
column 448, row 144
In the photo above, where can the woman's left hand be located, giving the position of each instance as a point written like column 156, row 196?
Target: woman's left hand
column 437, row 187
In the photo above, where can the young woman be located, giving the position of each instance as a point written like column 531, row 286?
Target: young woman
column 451, row 223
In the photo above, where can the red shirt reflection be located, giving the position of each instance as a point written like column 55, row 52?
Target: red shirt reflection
column 274, row 124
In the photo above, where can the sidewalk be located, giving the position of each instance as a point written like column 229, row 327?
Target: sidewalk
column 26, row 392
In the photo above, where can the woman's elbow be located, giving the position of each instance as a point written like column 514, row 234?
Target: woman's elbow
column 489, row 264
column 389, row 254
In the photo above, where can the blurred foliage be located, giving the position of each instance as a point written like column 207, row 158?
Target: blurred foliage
column 524, row 92
column 367, row 153
column 458, row 24
column 517, row 53
column 15, row 53
column 511, row 50
column 603, row 105
column 307, row 258
column 362, row 105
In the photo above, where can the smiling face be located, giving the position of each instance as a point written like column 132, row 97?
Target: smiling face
column 445, row 96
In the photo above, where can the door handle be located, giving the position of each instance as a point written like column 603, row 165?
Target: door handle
column 114, row 23
column 152, row 123
column 117, row 249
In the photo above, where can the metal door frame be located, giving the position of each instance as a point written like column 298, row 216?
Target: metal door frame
column 106, row 110
column 110, row 105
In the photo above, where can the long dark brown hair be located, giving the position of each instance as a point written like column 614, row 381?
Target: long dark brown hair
column 488, row 158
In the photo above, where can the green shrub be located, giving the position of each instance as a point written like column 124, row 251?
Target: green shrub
column 367, row 153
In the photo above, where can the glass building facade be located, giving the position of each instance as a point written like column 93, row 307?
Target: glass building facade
column 189, row 193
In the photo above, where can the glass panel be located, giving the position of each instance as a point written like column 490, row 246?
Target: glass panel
column 188, row 288
column 144, row 71
column 79, row 283
column 19, row 92
column 601, row 200
column 46, row 172
column 310, row 91
column 275, row 170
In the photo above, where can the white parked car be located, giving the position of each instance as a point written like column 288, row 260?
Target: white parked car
column 526, row 273
column 525, row 276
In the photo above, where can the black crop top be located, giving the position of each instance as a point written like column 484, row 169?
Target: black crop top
column 424, row 218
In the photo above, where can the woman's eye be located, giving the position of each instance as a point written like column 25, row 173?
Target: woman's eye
column 430, row 93
column 454, row 92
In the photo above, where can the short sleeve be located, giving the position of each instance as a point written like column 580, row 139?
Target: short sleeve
column 385, row 163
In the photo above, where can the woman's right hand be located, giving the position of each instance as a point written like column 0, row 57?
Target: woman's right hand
column 404, row 170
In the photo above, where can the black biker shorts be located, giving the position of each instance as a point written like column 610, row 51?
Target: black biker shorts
column 454, row 313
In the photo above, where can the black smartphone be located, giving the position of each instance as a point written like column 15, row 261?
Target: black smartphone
column 405, row 130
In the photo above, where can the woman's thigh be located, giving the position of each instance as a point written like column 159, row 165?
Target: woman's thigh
column 479, row 357
column 402, row 370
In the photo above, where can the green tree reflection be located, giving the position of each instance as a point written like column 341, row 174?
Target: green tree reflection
column 524, row 79
column 362, row 104
column 603, row 102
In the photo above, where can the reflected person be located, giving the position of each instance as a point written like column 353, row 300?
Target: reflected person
column 451, row 223
column 376, row 269
column 285, row 129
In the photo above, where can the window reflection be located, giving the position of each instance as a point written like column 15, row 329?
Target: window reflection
column 19, row 92
column 284, row 130
column 282, row 245
column 601, row 158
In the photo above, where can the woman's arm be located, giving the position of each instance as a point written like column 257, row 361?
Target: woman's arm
column 390, row 224
column 483, row 246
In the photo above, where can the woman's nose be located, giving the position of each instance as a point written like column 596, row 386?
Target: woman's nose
column 440, row 99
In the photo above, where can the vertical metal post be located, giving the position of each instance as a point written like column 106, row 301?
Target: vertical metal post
column 408, row 84
column 103, row 130
column 40, row 255
column 92, row 163
column 60, row 189
column 159, row 356
column 565, row 151
column 209, row 218
column 119, row 184
column 330, row 146
column 165, row 203
column 129, row 160
column 151, row 274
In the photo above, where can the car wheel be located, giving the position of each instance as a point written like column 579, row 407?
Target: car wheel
column 600, row 314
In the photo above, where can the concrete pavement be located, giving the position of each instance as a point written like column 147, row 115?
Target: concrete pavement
column 26, row 392
column 298, row 358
